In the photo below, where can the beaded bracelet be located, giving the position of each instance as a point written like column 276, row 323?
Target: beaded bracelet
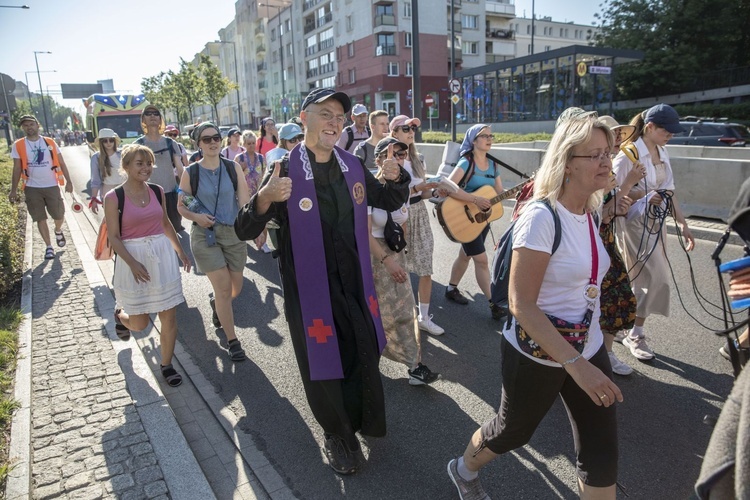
column 572, row 360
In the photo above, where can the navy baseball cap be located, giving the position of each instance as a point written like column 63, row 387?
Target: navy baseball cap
column 387, row 141
column 317, row 96
column 664, row 116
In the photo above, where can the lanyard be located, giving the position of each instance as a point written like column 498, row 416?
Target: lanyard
column 591, row 291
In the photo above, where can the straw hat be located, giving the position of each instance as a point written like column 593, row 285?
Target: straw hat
column 627, row 130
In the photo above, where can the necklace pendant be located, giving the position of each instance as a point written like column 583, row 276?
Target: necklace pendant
column 590, row 292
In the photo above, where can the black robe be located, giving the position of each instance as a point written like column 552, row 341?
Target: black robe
column 355, row 403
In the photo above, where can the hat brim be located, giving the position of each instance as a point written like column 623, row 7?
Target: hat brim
column 673, row 128
column 413, row 121
column 629, row 130
column 394, row 142
column 339, row 96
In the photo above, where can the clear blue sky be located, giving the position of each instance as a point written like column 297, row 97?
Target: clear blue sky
column 94, row 40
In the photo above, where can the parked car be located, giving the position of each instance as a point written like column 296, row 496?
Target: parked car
column 703, row 133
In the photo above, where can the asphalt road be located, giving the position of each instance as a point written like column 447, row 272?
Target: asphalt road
column 662, row 434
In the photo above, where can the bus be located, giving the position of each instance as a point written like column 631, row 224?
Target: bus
column 120, row 112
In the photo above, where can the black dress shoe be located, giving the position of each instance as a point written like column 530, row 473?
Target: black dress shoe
column 340, row 458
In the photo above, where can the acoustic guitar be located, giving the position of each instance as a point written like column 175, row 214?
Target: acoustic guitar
column 463, row 221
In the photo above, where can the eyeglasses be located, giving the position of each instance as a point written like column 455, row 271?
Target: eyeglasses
column 171, row 135
column 295, row 140
column 151, row 113
column 206, row 139
column 407, row 128
column 107, row 140
column 597, row 157
column 400, row 154
column 328, row 116
column 485, row 136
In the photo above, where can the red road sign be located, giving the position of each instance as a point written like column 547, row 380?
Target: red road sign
column 428, row 100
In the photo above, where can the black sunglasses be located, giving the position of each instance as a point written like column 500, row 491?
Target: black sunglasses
column 406, row 128
column 206, row 139
column 107, row 140
column 151, row 113
column 295, row 139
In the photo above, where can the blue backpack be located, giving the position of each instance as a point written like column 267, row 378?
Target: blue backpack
column 504, row 254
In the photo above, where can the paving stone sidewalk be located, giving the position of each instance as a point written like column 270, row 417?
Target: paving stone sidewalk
column 98, row 428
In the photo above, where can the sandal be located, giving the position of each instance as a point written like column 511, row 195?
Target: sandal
column 49, row 254
column 60, row 239
column 170, row 375
column 236, row 353
column 214, row 316
column 121, row 330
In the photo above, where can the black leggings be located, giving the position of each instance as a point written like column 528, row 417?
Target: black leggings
column 530, row 389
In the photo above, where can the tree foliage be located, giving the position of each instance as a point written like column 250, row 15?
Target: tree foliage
column 216, row 85
column 683, row 40
column 58, row 116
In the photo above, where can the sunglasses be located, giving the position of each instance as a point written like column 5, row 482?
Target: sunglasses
column 295, row 139
column 151, row 113
column 406, row 128
column 400, row 154
column 171, row 135
column 207, row 139
column 107, row 140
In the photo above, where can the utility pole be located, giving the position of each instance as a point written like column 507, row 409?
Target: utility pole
column 416, row 92
column 453, row 67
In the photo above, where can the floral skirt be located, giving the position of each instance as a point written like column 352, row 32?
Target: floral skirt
column 397, row 311
column 419, row 241
column 617, row 301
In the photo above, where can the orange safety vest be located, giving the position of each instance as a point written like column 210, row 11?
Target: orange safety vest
column 21, row 150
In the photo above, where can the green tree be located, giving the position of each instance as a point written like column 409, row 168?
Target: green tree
column 58, row 116
column 682, row 41
column 186, row 87
column 216, row 85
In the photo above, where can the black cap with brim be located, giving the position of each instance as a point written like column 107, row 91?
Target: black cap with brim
column 384, row 143
column 317, row 96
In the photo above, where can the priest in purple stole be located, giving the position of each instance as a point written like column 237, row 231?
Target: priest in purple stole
column 315, row 201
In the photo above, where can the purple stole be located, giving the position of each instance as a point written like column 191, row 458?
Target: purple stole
column 310, row 262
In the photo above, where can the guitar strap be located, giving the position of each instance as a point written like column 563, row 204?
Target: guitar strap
column 470, row 171
column 502, row 163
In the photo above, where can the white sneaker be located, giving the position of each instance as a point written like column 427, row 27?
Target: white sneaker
column 620, row 335
column 430, row 327
column 618, row 366
column 638, row 348
column 265, row 248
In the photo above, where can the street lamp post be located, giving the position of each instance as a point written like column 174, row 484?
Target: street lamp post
column 41, row 90
column 236, row 77
column 28, row 92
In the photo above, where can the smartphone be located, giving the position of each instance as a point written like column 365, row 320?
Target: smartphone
column 210, row 236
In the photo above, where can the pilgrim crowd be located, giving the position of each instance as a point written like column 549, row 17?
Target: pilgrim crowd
column 345, row 209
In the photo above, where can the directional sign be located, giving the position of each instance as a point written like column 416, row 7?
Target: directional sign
column 600, row 70
column 455, row 86
column 428, row 100
column 455, row 99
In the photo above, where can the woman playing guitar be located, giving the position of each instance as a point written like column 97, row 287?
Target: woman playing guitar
column 474, row 149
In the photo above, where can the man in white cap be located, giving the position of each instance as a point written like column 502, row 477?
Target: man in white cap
column 357, row 132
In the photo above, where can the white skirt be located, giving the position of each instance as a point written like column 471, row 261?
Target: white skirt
column 163, row 291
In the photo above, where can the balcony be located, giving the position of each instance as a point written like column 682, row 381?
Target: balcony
column 457, row 55
column 262, row 67
column 325, row 44
column 456, row 4
column 502, row 34
column 312, row 73
column 321, row 21
column 502, row 8
column 260, row 30
column 310, row 50
column 326, row 68
column 309, row 26
column 309, row 4
column 386, row 2
column 262, row 84
column 385, row 20
column 456, row 26
column 385, row 50
column 495, row 58
column 260, row 49
column 263, row 103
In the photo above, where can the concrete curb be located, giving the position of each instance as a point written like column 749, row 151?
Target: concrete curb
column 184, row 477
column 18, row 485
column 706, row 233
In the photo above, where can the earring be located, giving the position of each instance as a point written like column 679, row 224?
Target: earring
column 567, row 179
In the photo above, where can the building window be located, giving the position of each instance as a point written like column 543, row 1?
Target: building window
column 408, row 69
column 407, row 9
column 273, row 34
column 407, row 39
column 350, row 48
column 469, row 22
column 349, row 24
column 392, row 69
column 547, row 48
column 528, row 50
column 488, row 47
column 385, row 45
column 352, row 76
column 328, row 82
column 528, row 29
column 469, row 48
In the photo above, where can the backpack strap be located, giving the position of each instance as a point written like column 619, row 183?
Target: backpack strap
column 194, row 174
column 229, row 165
column 350, row 140
column 558, row 228
column 120, row 192
column 157, row 191
column 469, row 171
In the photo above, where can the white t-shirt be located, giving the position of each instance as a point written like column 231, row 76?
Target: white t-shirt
column 39, row 168
column 115, row 177
column 380, row 217
column 568, row 271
